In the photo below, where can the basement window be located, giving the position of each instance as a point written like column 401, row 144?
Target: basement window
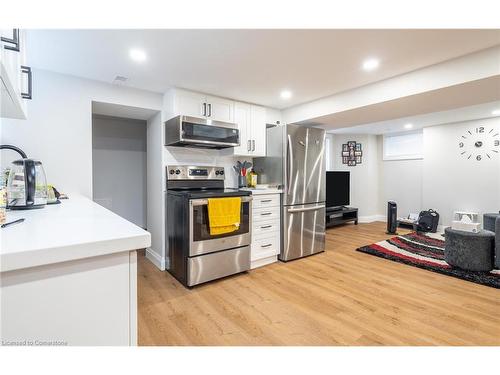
column 403, row 146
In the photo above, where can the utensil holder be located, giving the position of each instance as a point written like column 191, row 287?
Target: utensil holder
column 242, row 181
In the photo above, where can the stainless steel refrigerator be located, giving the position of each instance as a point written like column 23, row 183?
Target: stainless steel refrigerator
column 295, row 160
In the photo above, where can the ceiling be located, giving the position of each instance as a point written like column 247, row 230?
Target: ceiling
column 475, row 112
column 467, row 94
column 250, row 65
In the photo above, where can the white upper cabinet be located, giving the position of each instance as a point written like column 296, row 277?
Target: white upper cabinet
column 258, row 130
column 242, row 119
column 15, row 77
column 190, row 103
column 251, row 120
column 200, row 105
column 220, row 109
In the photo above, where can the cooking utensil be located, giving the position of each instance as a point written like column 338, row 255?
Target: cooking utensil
column 18, row 221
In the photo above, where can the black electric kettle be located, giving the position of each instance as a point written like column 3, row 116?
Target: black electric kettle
column 27, row 183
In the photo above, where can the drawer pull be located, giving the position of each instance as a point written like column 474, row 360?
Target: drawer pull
column 266, row 226
column 29, row 94
column 14, row 41
column 266, row 213
column 269, row 244
column 267, row 200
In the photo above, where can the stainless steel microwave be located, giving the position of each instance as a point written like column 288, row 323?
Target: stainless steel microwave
column 187, row 131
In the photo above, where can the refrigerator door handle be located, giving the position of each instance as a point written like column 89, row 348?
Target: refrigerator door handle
column 295, row 210
column 288, row 172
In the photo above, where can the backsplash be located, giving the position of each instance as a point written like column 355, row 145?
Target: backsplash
column 196, row 156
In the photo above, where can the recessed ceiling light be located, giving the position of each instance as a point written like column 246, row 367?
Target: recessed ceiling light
column 286, row 94
column 137, row 55
column 408, row 126
column 496, row 112
column 371, row 64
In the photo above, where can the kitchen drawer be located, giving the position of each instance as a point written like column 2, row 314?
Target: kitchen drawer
column 263, row 228
column 265, row 247
column 265, row 214
column 267, row 200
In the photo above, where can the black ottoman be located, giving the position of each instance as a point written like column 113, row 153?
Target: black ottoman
column 489, row 221
column 469, row 251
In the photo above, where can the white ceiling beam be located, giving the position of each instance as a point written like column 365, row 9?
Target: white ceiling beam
column 472, row 67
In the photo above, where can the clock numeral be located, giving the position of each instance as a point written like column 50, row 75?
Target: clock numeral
column 461, row 144
column 480, row 129
column 478, row 158
column 497, row 142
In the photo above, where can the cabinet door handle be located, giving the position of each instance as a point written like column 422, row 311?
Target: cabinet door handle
column 265, row 226
column 29, row 94
column 253, row 144
column 269, row 244
column 14, row 41
column 265, row 213
column 204, row 109
column 266, row 200
column 249, row 147
column 209, row 110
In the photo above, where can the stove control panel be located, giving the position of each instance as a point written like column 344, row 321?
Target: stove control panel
column 191, row 172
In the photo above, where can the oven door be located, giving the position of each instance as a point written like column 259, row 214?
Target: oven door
column 200, row 240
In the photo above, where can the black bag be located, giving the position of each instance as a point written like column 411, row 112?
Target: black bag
column 427, row 221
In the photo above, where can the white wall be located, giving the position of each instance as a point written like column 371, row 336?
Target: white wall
column 444, row 180
column 364, row 176
column 400, row 181
column 59, row 127
column 451, row 181
column 119, row 166
column 155, row 191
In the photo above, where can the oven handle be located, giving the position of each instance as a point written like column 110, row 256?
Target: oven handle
column 204, row 202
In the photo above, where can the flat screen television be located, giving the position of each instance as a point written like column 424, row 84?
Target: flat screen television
column 337, row 189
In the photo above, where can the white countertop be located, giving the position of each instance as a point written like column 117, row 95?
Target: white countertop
column 263, row 191
column 75, row 229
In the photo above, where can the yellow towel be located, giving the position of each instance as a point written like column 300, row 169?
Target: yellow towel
column 223, row 215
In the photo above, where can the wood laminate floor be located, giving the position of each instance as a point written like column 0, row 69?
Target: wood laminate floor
column 339, row 297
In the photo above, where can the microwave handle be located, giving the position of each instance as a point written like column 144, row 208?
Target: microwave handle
column 204, row 202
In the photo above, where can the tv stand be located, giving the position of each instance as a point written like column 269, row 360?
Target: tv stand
column 341, row 215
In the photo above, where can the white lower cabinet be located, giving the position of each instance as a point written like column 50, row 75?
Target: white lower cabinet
column 90, row 301
column 266, row 226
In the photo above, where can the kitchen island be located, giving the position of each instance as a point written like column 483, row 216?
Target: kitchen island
column 68, row 276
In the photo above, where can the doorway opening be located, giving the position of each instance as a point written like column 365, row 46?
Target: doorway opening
column 120, row 160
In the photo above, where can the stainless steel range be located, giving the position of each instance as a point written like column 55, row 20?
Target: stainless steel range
column 195, row 255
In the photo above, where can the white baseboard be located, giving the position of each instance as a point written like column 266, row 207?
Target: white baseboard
column 372, row 218
column 263, row 262
column 156, row 259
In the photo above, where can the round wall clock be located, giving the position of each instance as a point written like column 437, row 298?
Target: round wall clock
column 480, row 143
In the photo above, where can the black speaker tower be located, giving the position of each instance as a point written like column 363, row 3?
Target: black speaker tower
column 392, row 220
